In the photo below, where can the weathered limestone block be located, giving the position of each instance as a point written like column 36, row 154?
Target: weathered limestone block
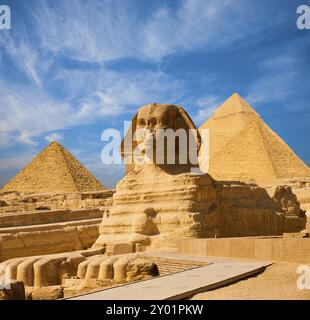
column 120, row 248
column 140, row 269
column 79, row 286
column 47, row 293
column 286, row 201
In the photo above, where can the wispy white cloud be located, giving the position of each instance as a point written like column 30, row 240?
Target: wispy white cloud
column 198, row 24
column 97, row 31
column 102, row 31
column 28, row 113
column 205, row 106
column 54, row 137
column 106, row 30
column 275, row 84
column 25, row 57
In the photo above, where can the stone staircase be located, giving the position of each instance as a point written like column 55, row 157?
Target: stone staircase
column 167, row 266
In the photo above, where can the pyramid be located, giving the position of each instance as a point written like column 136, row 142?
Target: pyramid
column 227, row 120
column 53, row 170
column 244, row 148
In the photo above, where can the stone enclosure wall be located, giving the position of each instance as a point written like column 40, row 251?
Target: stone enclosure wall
column 23, row 202
column 28, row 234
column 287, row 248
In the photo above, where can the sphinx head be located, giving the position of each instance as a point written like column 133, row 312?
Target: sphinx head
column 162, row 135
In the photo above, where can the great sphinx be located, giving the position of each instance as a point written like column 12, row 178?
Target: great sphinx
column 162, row 199
column 159, row 202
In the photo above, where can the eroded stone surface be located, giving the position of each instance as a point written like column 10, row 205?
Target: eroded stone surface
column 47, row 293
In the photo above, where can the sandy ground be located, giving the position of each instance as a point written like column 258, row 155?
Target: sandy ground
column 278, row 281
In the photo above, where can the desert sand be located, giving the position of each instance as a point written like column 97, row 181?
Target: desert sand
column 277, row 282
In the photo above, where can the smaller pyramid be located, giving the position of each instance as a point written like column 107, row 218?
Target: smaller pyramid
column 257, row 154
column 54, row 169
column 227, row 120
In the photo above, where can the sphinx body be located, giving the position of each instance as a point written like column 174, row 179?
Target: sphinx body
column 153, row 207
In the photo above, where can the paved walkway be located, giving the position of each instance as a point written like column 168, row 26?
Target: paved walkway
column 219, row 272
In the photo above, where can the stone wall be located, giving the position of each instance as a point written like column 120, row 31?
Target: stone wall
column 293, row 249
column 44, row 217
column 23, row 202
column 61, row 239
column 34, row 233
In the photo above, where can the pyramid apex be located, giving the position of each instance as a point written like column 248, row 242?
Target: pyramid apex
column 55, row 143
column 233, row 105
column 236, row 94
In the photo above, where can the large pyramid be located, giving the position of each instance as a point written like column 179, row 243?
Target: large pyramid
column 53, row 170
column 244, row 148
column 227, row 120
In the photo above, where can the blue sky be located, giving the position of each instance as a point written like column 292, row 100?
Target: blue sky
column 71, row 69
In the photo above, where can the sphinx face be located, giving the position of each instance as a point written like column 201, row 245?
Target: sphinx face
column 151, row 119
column 161, row 134
column 154, row 117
